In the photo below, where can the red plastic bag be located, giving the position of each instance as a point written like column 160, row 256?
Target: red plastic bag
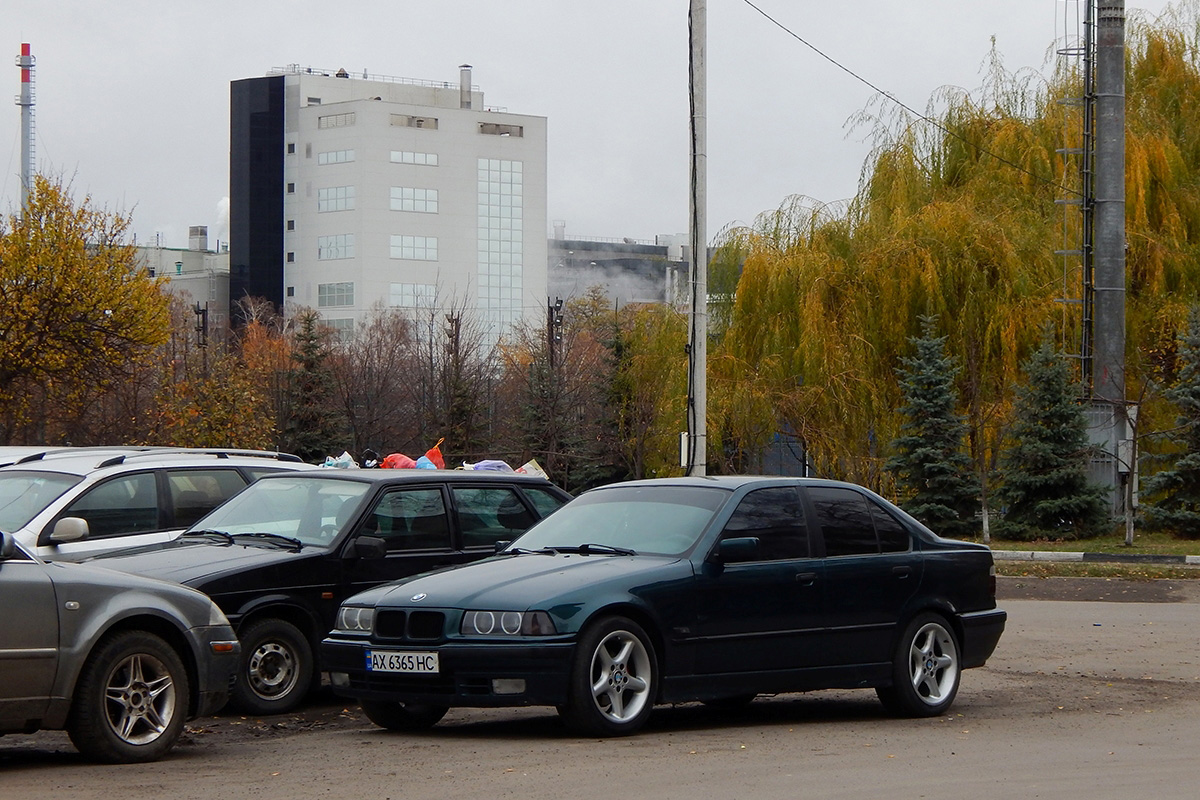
column 434, row 454
column 398, row 461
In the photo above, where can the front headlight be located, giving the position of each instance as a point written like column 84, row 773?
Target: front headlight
column 507, row 623
column 215, row 615
column 354, row 619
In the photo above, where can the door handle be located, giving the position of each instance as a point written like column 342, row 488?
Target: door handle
column 902, row 572
column 806, row 578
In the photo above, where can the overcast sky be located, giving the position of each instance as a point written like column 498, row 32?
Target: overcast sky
column 133, row 96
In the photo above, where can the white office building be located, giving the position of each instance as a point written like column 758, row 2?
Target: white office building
column 348, row 191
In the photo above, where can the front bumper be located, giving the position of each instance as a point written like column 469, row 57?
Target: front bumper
column 216, row 649
column 981, row 632
column 467, row 676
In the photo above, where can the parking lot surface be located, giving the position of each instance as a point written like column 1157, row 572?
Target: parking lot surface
column 1082, row 699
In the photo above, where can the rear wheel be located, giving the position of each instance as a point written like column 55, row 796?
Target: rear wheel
column 402, row 716
column 925, row 671
column 613, row 681
column 276, row 670
column 131, row 700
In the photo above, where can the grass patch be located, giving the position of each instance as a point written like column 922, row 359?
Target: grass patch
column 1130, row 572
column 1159, row 544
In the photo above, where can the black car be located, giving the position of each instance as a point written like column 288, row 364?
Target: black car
column 673, row 590
column 280, row 556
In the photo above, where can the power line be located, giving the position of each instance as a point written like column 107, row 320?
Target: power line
column 905, row 106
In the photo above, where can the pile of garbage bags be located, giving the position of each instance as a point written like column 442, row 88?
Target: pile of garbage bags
column 433, row 459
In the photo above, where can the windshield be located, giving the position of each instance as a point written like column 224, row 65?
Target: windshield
column 23, row 495
column 661, row 520
column 311, row 510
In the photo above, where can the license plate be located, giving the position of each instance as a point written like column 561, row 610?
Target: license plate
column 397, row 661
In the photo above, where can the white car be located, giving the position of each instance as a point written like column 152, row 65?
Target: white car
column 68, row 504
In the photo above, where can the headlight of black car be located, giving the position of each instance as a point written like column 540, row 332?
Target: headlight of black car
column 507, row 623
column 354, row 619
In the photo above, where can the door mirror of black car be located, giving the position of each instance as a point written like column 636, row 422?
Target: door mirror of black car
column 69, row 529
column 501, row 545
column 369, row 547
column 742, row 548
column 7, row 546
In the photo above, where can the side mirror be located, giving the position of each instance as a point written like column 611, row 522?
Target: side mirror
column 69, row 529
column 743, row 548
column 7, row 546
column 369, row 547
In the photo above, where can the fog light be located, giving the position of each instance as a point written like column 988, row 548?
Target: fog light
column 339, row 679
column 508, row 686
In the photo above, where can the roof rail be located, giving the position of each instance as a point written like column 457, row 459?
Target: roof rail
column 215, row 452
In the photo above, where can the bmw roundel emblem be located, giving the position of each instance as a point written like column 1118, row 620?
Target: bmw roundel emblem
column 416, row 598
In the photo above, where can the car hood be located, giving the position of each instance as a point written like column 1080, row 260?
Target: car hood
column 520, row 582
column 192, row 562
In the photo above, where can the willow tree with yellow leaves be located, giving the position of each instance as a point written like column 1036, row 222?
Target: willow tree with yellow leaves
column 76, row 311
column 959, row 215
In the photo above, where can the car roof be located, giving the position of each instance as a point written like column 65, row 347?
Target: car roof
column 731, row 482
column 87, row 460
column 417, row 476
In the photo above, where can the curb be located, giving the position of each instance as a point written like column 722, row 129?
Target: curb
column 1118, row 558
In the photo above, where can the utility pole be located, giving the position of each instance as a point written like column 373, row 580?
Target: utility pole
column 26, row 61
column 554, row 323
column 1108, row 386
column 697, row 404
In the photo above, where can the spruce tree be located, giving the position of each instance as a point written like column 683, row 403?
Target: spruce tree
column 935, row 477
column 312, row 428
column 1176, row 491
column 1045, row 490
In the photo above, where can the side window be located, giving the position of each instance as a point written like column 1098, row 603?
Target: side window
column 487, row 516
column 893, row 537
column 195, row 492
column 845, row 521
column 775, row 517
column 411, row 519
column 545, row 502
column 124, row 505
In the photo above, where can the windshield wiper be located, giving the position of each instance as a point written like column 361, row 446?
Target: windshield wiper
column 521, row 551
column 224, row 537
column 588, row 548
column 273, row 538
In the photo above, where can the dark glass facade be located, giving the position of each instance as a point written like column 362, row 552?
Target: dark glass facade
column 256, row 153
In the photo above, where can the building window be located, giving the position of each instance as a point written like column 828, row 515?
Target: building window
column 335, row 295
column 291, row 148
column 291, row 258
column 405, row 198
column 343, row 328
column 291, row 224
column 416, row 248
column 336, row 120
column 335, row 198
column 291, row 291
column 406, row 121
column 412, row 295
column 500, row 129
column 291, row 189
column 500, row 237
column 409, row 157
column 333, row 247
column 314, row 101
column 335, row 157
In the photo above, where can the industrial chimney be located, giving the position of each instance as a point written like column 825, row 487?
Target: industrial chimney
column 464, row 86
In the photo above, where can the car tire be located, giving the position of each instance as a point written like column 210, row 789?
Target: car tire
column 402, row 716
column 614, row 679
column 925, row 671
column 131, row 700
column 276, row 669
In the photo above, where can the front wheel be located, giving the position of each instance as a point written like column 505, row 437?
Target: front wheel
column 276, row 668
column 402, row 716
column 614, row 679
column 131, row 700
column 925, row 671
